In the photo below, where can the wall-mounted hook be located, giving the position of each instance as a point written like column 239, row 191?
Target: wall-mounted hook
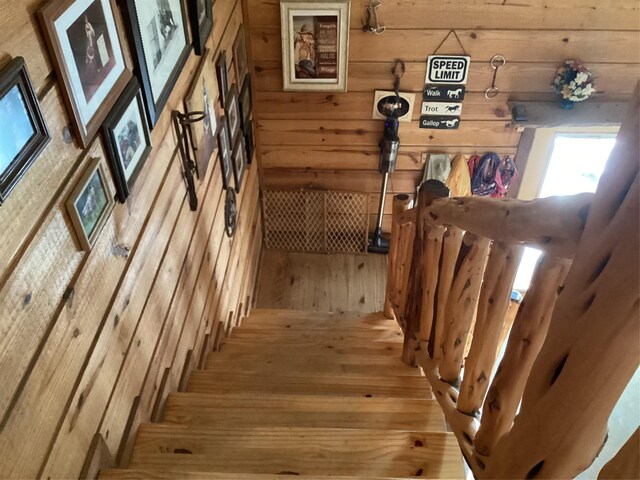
column 372, row 17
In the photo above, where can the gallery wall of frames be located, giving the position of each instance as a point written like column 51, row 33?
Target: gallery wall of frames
column 319, row 134
column 130, row 217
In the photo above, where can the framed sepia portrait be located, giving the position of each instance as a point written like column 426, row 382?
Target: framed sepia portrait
column 239, row 160
column 315, row 45
column 87, row 55
column 246, row 101
column 201, row 19
column 128, row 139
column 23, row 131
column 224, row 153
column 201, row 99
column 232, row 110
column 159, row 39
column 223, row 79
column 240, row 55
column 90, row 204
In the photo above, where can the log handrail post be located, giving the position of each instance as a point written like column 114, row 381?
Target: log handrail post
column 525, row 341
column 429, row 191
column 401, row 203
column 461, row 304
column 492, row 308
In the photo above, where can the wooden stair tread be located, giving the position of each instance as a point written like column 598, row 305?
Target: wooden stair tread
column 282, row 313
column 235, row 411
column 300, row 451
column 329, row 321
column 170, row 474
column 294, row 383
column 313, row 345
column 306, row 362
column 338, row 334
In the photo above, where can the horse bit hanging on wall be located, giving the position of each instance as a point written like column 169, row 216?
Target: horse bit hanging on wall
column 372, row 16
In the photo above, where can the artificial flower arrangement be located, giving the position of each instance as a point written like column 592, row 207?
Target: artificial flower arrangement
column 574, row 81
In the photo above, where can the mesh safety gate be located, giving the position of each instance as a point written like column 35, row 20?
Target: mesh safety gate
column 316, row 221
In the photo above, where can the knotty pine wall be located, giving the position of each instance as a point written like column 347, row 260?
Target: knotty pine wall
column 329, row 140
column 91, row 344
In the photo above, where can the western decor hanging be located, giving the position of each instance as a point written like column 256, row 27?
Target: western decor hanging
column 443, row 93
column 447, row 69
column 439, row 122
column 230, row 213
column 387, row 104
column 315, row 45
column 441, row 108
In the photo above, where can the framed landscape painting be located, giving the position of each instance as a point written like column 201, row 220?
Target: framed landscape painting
column 159, row 38
column 315, row 45
column 128, row 139
column 87, row 55
column 201, row 99
column 23, row 131
column 90, row 204
column 201, row 18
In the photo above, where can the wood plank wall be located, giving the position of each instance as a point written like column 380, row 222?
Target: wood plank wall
column 91, row 344
column 329, row 140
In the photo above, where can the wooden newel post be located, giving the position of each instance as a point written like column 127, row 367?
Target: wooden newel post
column 525, row 341
column 431, row 190
column 492, row 308
column 461, row 304
column 401, row 203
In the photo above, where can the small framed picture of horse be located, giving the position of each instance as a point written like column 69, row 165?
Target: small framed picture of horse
column 387, row 104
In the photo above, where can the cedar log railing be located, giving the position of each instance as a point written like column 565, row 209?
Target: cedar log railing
column 574, row 344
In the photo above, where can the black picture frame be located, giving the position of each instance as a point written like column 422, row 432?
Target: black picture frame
column 246, row 101
column 200, row 28
column 224, row 153
column 154, row 107
column 14, row 75
column 222, row 77
column 239, row 161
column 240, row 58
column 248, row 141
column 232, row 111
column 131, row 95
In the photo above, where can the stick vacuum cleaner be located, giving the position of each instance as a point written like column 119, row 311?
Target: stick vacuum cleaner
column 389, row 145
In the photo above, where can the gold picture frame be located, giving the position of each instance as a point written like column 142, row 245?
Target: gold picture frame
column 91, row 203
column 315, row 45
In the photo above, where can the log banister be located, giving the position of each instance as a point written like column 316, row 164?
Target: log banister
column 573, row 344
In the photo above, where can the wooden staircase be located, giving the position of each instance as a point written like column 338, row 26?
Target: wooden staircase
column 306, row 394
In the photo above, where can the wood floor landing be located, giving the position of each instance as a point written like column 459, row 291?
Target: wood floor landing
column 313, row 395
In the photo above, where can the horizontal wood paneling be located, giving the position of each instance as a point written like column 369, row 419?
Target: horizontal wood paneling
column 483, row 14
column 324, row 140
column 82, row 335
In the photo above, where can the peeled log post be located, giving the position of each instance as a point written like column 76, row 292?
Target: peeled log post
column 626, row 463
column 400, row 204
column 492, row 308
column 429, row 191
column 461, row 304
column 451, row 243
column 405, row 254
column 431, row 253
column 591, row 351
column 512, row 311
column 525, row 341
column 552, row 224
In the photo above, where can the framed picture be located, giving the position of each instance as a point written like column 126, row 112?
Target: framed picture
column 201, row 18
column 87, row 55
column 240, row 55
column 387, row 104
column 221, row 75
column 246, row 101
column 201, row 99
column 239, row 160
column 224, row 152
column 232, row 109
column 128, row 140
column 315, row 45
column 90, row 204
column 23, row 131
column 158, row 32
column 248, row 141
